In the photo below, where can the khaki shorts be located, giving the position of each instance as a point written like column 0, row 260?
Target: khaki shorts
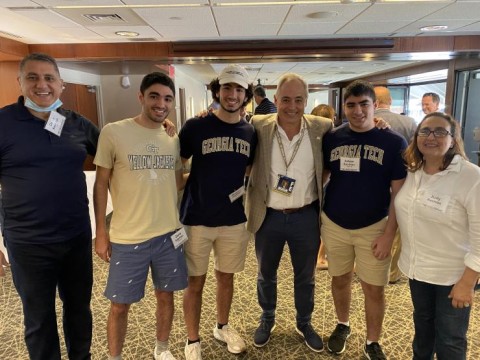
column 229, row 244
column 346, row 248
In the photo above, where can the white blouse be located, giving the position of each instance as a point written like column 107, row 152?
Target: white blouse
column 439, row 221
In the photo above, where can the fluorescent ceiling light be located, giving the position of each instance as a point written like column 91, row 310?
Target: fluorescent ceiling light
column 137, row 6
column 434, row 28
column 231, row 4
column 270, row 3
column 127, row 33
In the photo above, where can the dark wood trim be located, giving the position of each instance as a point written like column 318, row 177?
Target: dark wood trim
column 109, row 51
column 403, row 48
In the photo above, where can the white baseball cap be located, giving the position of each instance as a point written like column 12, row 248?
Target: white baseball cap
column 234, row 74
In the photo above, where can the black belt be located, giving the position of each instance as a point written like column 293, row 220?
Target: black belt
column 291, row 210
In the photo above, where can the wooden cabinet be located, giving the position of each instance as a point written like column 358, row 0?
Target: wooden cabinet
column 10, row 89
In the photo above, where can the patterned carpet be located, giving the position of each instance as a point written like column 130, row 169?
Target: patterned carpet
column 285, row 343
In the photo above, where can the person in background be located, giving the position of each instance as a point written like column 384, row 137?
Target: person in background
column 264, row 105
column 325, row 111
column 328, row 112
column 46, row 224
column 222, row 147
column 283, row 196
column 402, row 124
column 405, row 126
column 141, row 165
column 366, row 171
column 430, row 102
column 438, row 212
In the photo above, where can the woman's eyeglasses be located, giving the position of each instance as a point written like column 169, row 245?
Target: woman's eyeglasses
column 440, row 133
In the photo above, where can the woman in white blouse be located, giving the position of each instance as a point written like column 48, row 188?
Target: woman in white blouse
column 438, row 212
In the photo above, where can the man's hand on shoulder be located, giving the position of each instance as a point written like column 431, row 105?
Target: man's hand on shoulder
column 204, row 113
column 380, row 123
column 170, row 128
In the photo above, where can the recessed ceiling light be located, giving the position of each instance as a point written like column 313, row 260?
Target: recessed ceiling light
column 434, row 28
column 322, row 14
column 127, row 33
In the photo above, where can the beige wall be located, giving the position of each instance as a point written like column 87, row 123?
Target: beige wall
column 119, row 103
column 195, row 92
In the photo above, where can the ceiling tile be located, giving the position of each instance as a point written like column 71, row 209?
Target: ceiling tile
column 372, row 27
column 49, row 3
column 310, row 29
column 172, row 33
column 457, row 11
column 472, row 27
column 249, row 20
column 190, row 17
column 18, row 3
column 51, row 18
column 299, row 13
column 399, row 11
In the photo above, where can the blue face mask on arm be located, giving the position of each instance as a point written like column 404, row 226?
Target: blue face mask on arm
column 31, row 105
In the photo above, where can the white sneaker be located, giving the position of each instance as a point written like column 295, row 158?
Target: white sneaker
column 164, row 355
column 193, row 351
column 229, row 336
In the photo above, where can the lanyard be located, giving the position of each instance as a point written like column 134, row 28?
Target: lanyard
column 295, row 149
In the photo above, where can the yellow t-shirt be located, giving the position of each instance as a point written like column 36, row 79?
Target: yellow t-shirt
column 142, row 183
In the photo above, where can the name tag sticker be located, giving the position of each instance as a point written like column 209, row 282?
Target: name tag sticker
column 435, row 201
column 349, row 164
column 237, row 194
column 55, row 123
column 179, row 237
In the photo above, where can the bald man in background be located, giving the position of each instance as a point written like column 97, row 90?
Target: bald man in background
column 405, row 126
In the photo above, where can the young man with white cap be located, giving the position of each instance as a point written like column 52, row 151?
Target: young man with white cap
column 221, row 146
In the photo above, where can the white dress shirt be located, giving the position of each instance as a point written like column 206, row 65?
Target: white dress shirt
column 301, row 169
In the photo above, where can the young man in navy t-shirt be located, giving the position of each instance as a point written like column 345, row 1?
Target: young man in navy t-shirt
column 221, row 146
column 358, row 221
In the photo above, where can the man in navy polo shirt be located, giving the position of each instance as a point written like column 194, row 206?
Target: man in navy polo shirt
column 46, row 225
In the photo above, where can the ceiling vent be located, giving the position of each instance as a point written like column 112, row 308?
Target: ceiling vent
column 105, row 18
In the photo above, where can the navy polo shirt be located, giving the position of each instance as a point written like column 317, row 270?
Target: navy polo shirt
column 44, row 194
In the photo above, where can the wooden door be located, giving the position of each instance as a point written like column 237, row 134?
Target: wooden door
column 83, row 100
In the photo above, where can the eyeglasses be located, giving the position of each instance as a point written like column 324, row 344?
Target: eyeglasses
column 438, row 133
